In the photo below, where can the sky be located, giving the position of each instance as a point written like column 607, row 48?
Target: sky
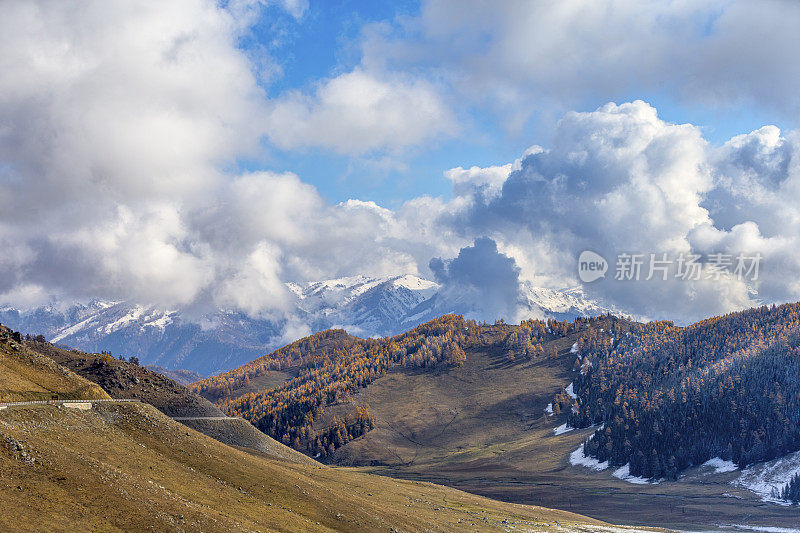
column 201, row 154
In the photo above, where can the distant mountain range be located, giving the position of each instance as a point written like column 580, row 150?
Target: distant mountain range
column 225, row 339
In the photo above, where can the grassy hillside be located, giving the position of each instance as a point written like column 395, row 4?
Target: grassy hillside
column 127, row 467
column 28, row 376
column 331, row 366
column 123, row 379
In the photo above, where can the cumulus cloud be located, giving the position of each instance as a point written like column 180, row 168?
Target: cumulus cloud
column 621, row 180
column 118, row 123
column 119, row 127
column 484, row 181
column 359, row 112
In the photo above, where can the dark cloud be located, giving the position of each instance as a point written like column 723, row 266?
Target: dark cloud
column 481, row 281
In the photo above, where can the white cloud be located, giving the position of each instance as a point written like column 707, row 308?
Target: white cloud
column 118, row 125
column 359, row 112
column 487, row 181
column 520, row 57
column 256, row 286
column 620, row 180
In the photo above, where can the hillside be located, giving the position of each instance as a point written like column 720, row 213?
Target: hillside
column 494, row 423
column 727, row 387
column 27, row 376
column 329, row 367
column 128, row 467
column 123, row 379
column 184, row 377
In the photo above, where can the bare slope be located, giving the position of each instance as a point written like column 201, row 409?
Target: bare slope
column 27, row 376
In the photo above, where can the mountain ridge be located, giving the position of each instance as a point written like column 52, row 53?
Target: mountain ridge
column 225, row 339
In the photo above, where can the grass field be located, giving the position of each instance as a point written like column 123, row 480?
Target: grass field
column 128, row 467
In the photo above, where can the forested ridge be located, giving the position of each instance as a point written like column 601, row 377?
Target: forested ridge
column 333, row 365
column 668, row 398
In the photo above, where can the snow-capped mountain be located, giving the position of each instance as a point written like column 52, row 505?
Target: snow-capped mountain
column 534, row 302
column 564, row 304
column 222, row 340
column 362, row 305
column 214, row 342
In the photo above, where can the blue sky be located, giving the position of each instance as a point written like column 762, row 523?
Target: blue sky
column 325, row 41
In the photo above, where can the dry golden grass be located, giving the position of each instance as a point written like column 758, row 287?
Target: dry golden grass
column 28, row 376
column 126, row 467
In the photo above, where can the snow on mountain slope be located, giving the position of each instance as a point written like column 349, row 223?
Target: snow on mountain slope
column 224, row 339
column 565, row 304
column 767, row 479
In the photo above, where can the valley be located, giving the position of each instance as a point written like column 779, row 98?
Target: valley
column 508, row 450
column 481, row 426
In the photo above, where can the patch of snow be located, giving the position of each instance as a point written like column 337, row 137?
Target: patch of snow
column 720, row 466
column 563, row 428
column 413, row 283
column 571, row 391
column 624, row 473
column 71, row 330
column 549, row 409
column 564, row 302
column 131, row 316
column 577, row 458
column 768, row 479
column 161, row 322
column 574, row 348
column 296, row 289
